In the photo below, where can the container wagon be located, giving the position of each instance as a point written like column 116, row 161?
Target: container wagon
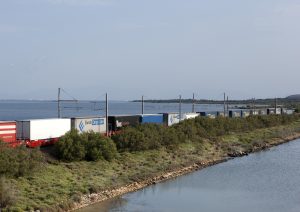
column 220, row 114
column 287, row 111
column 115, row 123
column 234, row 114
column 151, row 118
column 8, row 132
column 42, row 132
column 262, row 112
column 208, row 114
column 254, row 112
column 189, row 115
column 276, row 111
column 86, row 124
column 245, row 114
column 202, row 113
column 170, row 118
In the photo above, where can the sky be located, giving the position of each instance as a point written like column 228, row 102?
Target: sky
column 156, row 48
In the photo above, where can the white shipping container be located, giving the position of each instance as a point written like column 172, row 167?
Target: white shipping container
column 173, row 118
column 212, row 116
column 40, row 129
column 289, row 112
column 245, row 114
column 278, row 111
column 83, row 124
column 262, row 112
column 189, row 115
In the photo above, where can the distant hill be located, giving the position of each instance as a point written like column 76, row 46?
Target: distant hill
column 294, row 97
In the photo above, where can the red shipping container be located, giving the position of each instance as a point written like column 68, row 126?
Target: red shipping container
column 8, row 131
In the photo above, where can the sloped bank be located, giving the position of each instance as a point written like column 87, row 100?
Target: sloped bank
column 87, row 200
column 61, row 186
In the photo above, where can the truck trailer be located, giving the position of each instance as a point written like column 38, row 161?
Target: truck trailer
column 42, row 132
column 8, row 131
column 86, row 124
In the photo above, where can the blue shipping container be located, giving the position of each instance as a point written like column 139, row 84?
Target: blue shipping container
column 156, row 119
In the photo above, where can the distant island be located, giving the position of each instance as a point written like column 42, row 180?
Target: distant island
column 291, row 100
column 294, row 97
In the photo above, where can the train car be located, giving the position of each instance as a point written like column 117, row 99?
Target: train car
column 272, row 111
column 211, row 115
column 86, row 124
column 222, row 114
column 287, row 111
column 42, row 132
column 8, row 131
column 116, row 122
column 189, row 116
column 202, row 113
column 245, row 113
column 171, row 118
column 234, row 114
column 254, row 112
column 262, row 112
column 151, row 118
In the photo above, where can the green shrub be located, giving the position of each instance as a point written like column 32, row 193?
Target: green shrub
column 130, row 139
column 19, row 161
column 146, row 137
column 71, row 147
column 170, row 138
column 86, row 146
column 99, row 147
column 8, row 193
column 151, row 136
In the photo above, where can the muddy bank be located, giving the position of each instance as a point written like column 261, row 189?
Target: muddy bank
column 111, row 193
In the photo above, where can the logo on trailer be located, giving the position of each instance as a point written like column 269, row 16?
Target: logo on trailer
column 81, row 126
column 97, row 121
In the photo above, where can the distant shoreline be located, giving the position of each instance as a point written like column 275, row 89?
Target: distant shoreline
column 266, row 102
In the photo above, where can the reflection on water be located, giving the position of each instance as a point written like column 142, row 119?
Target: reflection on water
column 261, row 182
column 115, row 204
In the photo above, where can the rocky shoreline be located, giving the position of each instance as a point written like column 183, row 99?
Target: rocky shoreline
column 87, row 200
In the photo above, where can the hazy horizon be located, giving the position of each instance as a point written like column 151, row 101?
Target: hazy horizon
column 159, row 49
column 137, row 99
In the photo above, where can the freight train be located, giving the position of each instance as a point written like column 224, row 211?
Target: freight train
column 42, row 132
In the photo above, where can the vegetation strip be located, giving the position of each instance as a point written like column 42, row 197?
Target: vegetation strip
column 91, row 199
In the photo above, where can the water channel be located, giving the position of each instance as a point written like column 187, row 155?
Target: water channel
column 267, row 181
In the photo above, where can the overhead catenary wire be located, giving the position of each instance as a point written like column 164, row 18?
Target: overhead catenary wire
column 59, row 101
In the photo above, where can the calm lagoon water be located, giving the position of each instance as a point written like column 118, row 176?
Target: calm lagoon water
column 267, row 181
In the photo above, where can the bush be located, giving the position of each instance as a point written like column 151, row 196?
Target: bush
column 297, row 108
column 99, row 147
column 71, row 147
column 170, row 138
column 8, row 194
column 130, row 139
column 151, row 136
column 86, row 146
column 146, row 137
column 19, row 161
